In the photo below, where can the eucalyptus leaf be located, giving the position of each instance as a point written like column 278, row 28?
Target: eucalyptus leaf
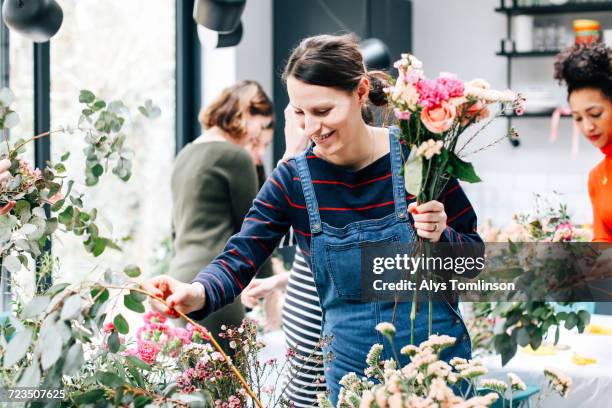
column 113, row 342
column 36, row 306
column 109, row 379
column 413, row 171
column 121, row 324
column 31, row 376
column 71, row 308
column 17, row 348
column 51, row 351
column 11, row 263
column 74, row 359
column 133, row 271
column 133, row 304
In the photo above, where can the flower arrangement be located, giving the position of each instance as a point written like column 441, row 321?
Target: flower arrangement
column 428, row 381
column 433, row 115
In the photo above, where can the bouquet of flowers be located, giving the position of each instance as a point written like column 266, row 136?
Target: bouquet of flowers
column 428, row 381
column 433, row 114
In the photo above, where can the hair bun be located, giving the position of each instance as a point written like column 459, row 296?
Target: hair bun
column 584, row 65
column 378, row 83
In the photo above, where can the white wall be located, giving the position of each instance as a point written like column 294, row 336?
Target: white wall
column 463, row 37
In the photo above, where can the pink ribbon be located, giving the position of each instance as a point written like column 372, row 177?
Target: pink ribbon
column 554, row 128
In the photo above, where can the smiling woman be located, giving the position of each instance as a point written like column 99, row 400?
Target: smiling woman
column 587, row 71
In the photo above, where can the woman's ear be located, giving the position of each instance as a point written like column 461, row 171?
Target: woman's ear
column 363, row 90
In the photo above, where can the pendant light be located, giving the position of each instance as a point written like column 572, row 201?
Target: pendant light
column 219, row 15
column 38, row 20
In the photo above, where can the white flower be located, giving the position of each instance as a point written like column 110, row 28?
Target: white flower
column 493, row 384
column 439, row 391
column 409, row 350
column 438, row 369
column 516, row 382
column 455, row 361
column 474, row 371
column 559, row 381
column 232, row 344
column 437, row 342
column 430, row 148
column 349, row 380
column 386, row 329
column 374, row 354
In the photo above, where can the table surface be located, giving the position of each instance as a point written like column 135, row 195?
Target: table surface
column 591, row 384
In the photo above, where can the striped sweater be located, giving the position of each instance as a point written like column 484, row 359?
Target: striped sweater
column 344, row 196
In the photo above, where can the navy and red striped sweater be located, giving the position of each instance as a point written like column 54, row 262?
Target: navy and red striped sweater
column 343, row 196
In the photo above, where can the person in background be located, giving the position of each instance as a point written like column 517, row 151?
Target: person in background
column 587, row 72
column 338, row 195
column 213, row 184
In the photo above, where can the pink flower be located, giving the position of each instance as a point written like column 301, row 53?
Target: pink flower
column 453, row 85
column 148, row 351
column 153, row 317
column 432, row 93
column 183, row 335
column 401, row 115
column 55, row 198
column 477, row 111
column 108, row 327
column 440, row 118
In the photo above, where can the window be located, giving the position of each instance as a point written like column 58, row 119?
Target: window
column 119, row 50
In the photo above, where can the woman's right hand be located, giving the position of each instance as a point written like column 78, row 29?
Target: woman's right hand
column 296, row 140
column 179, row 296
column 261, row 288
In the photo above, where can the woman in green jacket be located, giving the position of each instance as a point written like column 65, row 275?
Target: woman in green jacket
column 214, row 182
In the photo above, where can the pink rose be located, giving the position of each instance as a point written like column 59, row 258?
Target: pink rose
column 478, row 110
column 440, row 118
column 453, row 85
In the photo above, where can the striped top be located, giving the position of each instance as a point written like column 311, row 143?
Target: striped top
column 344, row 196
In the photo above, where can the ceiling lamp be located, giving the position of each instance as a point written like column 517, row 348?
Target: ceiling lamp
column 37, row 20
column 219, row 15
column 375, row 54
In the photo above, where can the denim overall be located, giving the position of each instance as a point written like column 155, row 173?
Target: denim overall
column 335, row 263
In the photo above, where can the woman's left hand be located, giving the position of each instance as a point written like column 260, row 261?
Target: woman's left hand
column 429, row 219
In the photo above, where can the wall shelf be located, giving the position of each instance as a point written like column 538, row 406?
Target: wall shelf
column 515, row 54
column 560, row 9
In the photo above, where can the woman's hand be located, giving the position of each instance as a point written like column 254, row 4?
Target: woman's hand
column 296, row 139
column 429, row 219
column 180, row 296
column 5, row 165
column 262, row 288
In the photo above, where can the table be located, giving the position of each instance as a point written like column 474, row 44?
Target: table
column 591, row 384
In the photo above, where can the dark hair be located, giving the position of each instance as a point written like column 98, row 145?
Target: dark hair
column 335, row 61
column 226, row 110
column 585, row 66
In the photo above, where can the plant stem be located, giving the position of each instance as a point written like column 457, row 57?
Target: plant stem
column 205, row 331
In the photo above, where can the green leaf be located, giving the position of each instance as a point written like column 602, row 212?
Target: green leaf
column 36, row 307
column 142, row 401
column 138, row 363
column 99, row 105
column 461, row 169
column 584, row 316
column 109, row 379
column 31, row 376
column 132, row 271
column 60, row 168
column 90, row 397
column 113, row 342
column 536, row 340
column 138, row 296
column 413, row 173
column 65, row 156
column 121, row 324
column 86, row 96
column 99, row 247
column 97, row 170
column 522, row 337
column 133, row 304
column 103, row 297
column 17, row 348
column 65, row 217
column 571, row 321
column 136, row 375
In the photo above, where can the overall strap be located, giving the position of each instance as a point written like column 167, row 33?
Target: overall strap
column 309, row 194
column 399, row 191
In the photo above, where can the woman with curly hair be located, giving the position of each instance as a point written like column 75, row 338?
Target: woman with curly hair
column 587, row 72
